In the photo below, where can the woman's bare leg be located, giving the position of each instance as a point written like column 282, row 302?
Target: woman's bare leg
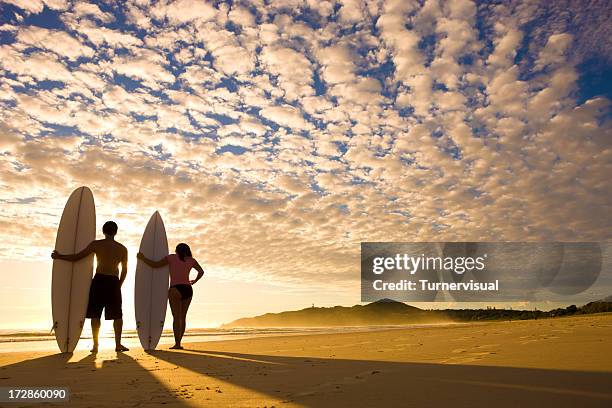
column 176, row 306
column 184, row 308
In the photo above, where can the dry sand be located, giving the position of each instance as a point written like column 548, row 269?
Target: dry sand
column 553, row 362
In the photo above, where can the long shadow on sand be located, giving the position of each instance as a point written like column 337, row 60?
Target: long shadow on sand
column 102, row 380
column 336, row 382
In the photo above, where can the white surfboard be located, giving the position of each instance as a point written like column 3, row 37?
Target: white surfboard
column 71, row 280
column 151, row 287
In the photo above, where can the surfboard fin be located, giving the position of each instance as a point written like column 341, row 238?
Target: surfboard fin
column 53, row 328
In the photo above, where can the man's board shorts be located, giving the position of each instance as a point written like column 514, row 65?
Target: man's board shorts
column 104, row 293
column 185, row 290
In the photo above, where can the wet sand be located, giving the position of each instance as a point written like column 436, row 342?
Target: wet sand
column 564, row 362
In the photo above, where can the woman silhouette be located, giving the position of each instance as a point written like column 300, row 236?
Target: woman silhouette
column 180, row 292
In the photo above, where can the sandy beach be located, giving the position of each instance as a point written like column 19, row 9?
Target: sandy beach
column 564, row 362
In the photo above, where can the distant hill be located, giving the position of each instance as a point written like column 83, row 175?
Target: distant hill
column 390, row 312
column 589, row 308
column 382, row 312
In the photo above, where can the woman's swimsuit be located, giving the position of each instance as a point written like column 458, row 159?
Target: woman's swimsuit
column 184, row 289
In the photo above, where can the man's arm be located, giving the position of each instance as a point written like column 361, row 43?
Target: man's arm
column 198, row 268
column 123, row 266
column 75, row 257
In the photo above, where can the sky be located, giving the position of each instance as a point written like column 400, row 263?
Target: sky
column 275, row 136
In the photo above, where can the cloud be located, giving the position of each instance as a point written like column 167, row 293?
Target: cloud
column 92, row 10
column 230, row 57
column 403, row 43
column 553, row 52
column 145, row 65
column 241, row 16
column 351, row 11
column 36, row 6
column 8, row 138
column 119, row 99
column 54, row 40
column 286, row 115
column 337, row 63
column 292, row 184
column 505, row 49
column 293, row 68
column 252, row 125
column 184, row 11
column 110, row 37
column 137, row 16
column 40, row 66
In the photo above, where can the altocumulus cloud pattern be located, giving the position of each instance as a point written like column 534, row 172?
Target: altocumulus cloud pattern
column 281, row 135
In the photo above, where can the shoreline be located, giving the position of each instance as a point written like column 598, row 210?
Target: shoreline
column 26, row 344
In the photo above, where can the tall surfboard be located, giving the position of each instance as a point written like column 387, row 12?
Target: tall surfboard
column 151, row 287
column 70, row 281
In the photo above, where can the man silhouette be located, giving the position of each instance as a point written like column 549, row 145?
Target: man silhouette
column 105, row 290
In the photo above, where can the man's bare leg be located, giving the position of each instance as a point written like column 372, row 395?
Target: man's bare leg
column 118, row 326
column 95, row 330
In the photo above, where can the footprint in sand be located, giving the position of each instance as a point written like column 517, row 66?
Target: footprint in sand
column 486, row 346
column 457, row 360
column 533, row 338
column 469, row 355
